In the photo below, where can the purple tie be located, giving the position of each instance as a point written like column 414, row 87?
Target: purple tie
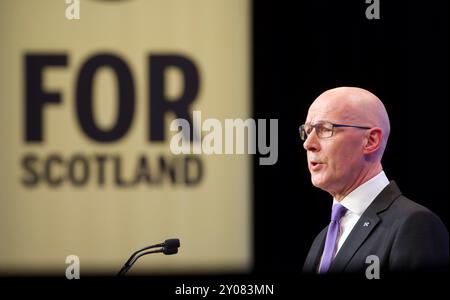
column 332, row 234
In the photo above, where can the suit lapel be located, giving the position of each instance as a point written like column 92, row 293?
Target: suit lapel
column 313, row 259
column 357, row 236
column 365, row 225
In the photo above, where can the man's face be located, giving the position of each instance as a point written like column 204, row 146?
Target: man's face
column 335, row 162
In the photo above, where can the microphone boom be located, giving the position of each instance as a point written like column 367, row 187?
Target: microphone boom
column 169, row 247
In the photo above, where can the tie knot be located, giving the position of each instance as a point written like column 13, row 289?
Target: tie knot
column 337, row 212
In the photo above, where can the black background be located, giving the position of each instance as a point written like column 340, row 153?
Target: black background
column 301, row 49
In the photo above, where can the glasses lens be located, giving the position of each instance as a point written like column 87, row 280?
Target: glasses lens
column 324, row 130
column 305, row 130
column 302, row 132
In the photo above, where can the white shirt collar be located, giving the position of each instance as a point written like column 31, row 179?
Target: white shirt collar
column 361, row 197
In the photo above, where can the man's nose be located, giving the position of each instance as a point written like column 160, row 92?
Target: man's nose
column 312, row 142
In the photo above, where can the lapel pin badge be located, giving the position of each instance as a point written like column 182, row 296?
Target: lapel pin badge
column 366, row 224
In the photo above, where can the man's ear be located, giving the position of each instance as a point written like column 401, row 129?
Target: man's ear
column 374, row 139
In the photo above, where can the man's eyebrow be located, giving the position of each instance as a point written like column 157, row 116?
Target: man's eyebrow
column 318, row 121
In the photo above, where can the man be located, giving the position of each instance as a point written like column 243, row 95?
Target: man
column 345, row 135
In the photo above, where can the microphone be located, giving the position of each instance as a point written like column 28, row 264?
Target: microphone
column 171, row 243
column 169, row 247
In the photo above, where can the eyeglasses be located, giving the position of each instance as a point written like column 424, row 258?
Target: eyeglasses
column 323, row 129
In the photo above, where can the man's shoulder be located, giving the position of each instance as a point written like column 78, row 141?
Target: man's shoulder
column 407, row 206
column 404, row 209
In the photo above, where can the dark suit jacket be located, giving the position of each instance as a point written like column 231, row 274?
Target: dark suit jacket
column 403, row 234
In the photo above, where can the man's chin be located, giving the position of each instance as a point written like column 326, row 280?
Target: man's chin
column 319, row 183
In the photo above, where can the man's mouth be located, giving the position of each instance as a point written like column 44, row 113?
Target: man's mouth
column 315, row 165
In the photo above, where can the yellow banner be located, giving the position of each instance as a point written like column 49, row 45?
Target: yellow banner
column 87, row 93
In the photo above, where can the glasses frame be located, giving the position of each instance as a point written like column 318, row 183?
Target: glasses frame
column 333, row 125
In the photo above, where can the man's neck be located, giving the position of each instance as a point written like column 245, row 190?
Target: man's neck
column 362, row 178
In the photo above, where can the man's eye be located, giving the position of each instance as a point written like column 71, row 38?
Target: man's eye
column 323, row 129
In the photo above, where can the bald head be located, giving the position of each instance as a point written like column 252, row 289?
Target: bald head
column 355, row 106
column 345, row 156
